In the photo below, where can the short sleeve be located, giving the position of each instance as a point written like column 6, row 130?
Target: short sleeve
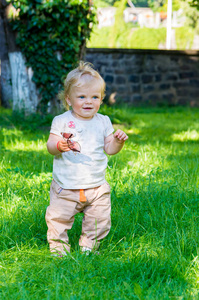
column 108, row 126
column 56, row 126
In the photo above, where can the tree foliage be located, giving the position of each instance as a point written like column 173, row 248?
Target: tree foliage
column 104, row 3
column 161, row 5
column 192, row 16
column 119, row 26
column 194, row 3
column 176, row 4
column 154, row 4
column 51, row 35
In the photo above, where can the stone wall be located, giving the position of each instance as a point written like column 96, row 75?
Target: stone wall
column 151, row 77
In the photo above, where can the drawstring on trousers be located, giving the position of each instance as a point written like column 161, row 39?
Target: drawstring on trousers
column 82, row 196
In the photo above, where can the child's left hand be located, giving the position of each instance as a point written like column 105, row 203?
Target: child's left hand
column 121, row 136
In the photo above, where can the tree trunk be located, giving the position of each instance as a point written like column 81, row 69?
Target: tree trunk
column 17, row 88
column 5, row 75
column 25, row 97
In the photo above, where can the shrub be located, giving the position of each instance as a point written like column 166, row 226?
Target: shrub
column 51, row 36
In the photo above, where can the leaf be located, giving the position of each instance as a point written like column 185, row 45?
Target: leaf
column 138, row 290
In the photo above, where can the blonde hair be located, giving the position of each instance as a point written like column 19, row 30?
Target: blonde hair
column 73, row 77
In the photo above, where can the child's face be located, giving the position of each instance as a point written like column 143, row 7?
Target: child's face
column 86, row 98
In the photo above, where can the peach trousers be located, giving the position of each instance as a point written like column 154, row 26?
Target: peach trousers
column 65, row 204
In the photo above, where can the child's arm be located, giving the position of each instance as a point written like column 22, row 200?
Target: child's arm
column 114, row 142
column 55, row 142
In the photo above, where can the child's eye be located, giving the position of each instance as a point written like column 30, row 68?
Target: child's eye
column 95, row 97
column 81, row 97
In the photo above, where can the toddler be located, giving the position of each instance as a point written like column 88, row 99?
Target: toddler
column 78, row 139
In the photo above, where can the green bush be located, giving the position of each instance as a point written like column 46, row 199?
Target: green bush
column 51, row 35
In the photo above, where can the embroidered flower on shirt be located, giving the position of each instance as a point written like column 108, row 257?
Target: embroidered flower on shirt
column 71, row 124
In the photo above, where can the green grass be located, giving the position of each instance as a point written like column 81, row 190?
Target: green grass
column 151, row 251
column 184, row 37
column 140, row 38
column 130, row 37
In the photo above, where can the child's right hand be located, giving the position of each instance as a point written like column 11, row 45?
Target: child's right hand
column 62, row 146
column 56, row 144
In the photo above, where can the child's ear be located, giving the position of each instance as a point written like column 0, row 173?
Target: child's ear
column 68, row 100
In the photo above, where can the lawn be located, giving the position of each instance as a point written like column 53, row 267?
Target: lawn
column 140, row 38
column 152, row 249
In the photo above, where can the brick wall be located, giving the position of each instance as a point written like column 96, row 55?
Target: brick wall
column 156, row 77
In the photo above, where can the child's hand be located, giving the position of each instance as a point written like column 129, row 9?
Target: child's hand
column 62, row 146
column 121, row 136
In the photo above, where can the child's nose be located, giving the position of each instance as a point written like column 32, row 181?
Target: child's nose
column 88, row 100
